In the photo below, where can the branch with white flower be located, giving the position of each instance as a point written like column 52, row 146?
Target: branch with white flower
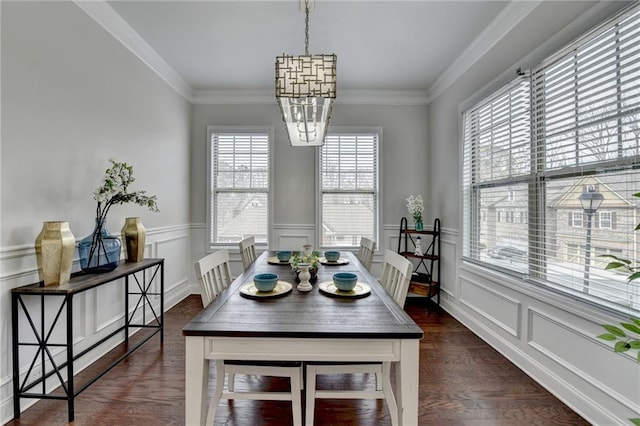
column 115, row 190
column 415, row 206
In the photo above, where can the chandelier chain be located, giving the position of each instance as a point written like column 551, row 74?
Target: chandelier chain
column 306, row 28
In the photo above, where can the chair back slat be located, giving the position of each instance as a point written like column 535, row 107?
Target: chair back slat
column 366, row 251
column 396, row 275
column 248, row 251
column 214, row 275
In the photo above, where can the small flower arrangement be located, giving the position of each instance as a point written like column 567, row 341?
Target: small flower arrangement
column 415, row 206
column 313, row 259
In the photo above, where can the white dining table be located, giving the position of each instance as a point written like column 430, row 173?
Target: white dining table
column 303, row 326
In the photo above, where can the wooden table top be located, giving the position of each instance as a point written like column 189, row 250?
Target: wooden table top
column 304, row 315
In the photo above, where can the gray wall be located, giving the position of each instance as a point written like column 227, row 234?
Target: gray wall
column 404, row 165
column 550, row 337
column 73, row 97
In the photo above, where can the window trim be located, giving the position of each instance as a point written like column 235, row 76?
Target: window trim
column 547, row 287
column 211, row 246
column 357, row 130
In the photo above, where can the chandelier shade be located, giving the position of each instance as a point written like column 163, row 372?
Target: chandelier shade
column 305, row 90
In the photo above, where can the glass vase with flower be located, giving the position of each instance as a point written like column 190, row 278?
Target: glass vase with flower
column 100, row 251
column 415, row 206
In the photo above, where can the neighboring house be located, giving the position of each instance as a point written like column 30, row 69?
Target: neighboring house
column 611, row 225
column 506, row 220
column 340, row 229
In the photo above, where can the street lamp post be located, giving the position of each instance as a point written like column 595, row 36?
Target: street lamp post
column 590, row 201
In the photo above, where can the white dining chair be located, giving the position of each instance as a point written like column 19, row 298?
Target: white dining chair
column 366, row 251
column 396, row 275
column 214, row 276
column 248, row 251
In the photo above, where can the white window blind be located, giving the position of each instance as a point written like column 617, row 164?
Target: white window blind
column 584, row 124
column 348, row 188
column 240, row 186
column 496, row 170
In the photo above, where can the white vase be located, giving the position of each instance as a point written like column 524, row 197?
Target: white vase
column 304, row 275
column 55, row 246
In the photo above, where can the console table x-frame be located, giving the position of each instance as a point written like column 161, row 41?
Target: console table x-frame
column 138, row 279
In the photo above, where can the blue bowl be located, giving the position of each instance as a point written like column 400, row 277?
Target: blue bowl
column 332, row 255
column 265, row 282
column 345, row 281
column 284, row 256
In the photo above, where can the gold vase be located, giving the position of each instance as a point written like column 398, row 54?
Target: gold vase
column 55, row 245
column 133, row 237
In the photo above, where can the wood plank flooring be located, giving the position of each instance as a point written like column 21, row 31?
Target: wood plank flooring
column 463, row 381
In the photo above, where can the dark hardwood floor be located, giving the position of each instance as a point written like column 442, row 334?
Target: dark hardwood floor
column 463, row 381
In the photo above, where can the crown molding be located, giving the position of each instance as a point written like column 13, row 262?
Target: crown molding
column 508, row 18
column 113, row 23
column 345, row 97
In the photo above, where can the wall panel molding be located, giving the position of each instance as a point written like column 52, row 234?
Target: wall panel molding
column 485, row 301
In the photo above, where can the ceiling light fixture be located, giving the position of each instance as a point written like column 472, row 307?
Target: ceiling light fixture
column 305, row 90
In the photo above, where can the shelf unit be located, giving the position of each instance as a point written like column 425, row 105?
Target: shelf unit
column 425, row 280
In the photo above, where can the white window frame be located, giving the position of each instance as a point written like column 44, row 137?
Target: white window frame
column 608, row 221
column 562, row 154
column 210, row 244
column 577, row 219
column 351, row 130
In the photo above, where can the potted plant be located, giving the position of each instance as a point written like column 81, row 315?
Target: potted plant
column 415, row 206
column 100, row 251
column 311, row 257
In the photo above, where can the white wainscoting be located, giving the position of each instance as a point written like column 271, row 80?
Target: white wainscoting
column 550, row 337
column 97, row 312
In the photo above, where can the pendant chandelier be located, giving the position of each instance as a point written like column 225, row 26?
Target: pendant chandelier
column 305, row 90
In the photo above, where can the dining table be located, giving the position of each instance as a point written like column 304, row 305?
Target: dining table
column 323, row 324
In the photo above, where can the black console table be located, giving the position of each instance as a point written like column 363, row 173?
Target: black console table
column 138, row 278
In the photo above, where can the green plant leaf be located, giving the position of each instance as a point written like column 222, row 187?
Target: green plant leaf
column 621, row 347
column 635, row 344
column 634, row 276
column 607, row 336
column 636, row 321
column 631, row 327
column 613, row 256
column 635, row 421
column 615, row 265
column 614, row 330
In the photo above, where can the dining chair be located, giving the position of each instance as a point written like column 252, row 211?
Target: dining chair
column 396, row 275
column 214, row 276
column 365, row 252
column 248, row 251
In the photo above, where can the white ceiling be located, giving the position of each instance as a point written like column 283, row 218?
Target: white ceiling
column 382, row 45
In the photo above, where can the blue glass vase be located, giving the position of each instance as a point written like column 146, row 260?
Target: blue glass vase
column 419, row 226
column 100, row 251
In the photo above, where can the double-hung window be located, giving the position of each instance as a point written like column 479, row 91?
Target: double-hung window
column 239, row 184
column 562, row 141
column 349, row 187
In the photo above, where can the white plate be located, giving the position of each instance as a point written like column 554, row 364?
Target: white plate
column 341, row 261
column 360, row 290
column 273, row 260
column 249, row 290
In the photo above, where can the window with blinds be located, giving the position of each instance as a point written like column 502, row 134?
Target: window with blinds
column 239, row 182
column 348, row 188
column 546, row 144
